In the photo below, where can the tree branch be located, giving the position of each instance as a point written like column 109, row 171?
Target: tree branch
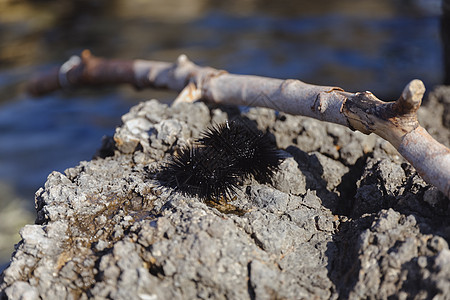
column 396, row 121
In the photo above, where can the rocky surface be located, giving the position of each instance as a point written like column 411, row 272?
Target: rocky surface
column 344, row 217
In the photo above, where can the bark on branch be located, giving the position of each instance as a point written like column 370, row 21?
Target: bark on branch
column 396, row 121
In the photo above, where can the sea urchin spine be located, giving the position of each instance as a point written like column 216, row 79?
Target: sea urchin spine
column 224, row 155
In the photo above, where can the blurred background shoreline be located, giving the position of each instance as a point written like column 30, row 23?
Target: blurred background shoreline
column 355, row 44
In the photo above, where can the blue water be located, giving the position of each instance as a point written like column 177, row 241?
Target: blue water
column 376, row 51
column 381, row 55
column 52, row 134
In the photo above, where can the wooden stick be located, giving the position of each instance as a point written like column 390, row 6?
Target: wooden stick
column 396, row 121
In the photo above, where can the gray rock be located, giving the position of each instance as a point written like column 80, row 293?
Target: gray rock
column 344, row 217
column 22, row 291
column 435, row 114
column 290, row 179
column 393, row 258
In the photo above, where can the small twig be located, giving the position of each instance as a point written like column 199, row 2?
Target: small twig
column 396, row 121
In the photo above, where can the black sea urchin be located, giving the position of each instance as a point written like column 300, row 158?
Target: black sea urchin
column 223, row 156
column 251, row 150
column 201, row 172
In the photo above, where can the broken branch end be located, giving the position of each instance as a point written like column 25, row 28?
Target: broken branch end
column 411, row 98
